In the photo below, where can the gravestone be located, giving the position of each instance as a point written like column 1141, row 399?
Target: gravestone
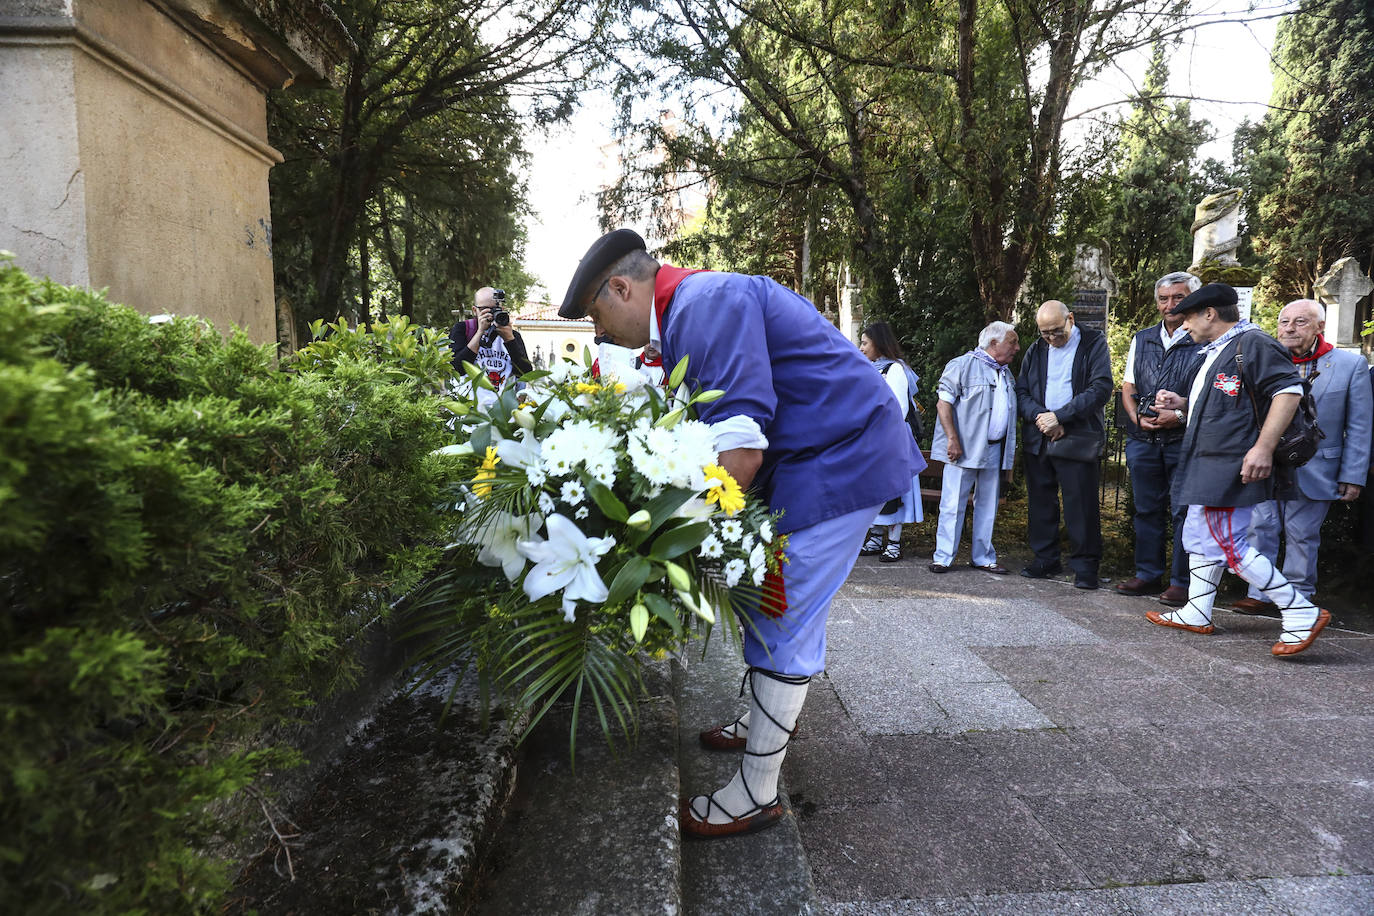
column 1216, row 230
column 1340, row 289
column 1094, row 285
column 135, row 145
column 851, row 310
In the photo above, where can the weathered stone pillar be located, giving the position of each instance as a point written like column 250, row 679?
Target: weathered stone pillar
column 1094, row 286
column 1216, row 230
column 135, row 145
column 1216, row 238
column 1340, row 289
column 851, row 311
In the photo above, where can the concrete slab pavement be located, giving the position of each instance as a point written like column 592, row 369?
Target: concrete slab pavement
column 989, row 744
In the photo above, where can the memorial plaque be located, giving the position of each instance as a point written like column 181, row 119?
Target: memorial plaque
column 1244, row 299
column 1090, row 309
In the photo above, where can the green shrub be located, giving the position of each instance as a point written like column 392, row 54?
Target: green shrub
column 189, row 537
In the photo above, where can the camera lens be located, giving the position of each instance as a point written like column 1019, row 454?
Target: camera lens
column 500, row 318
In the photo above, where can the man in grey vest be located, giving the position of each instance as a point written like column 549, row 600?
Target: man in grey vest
column 1161, row 356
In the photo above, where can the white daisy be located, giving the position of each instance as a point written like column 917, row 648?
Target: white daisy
column 573, row 492
column 711, row 547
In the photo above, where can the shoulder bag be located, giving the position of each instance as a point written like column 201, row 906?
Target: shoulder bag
column 1299, row 441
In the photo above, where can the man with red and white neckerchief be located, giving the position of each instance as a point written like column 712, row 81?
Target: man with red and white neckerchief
column 1340, row 388
column 1227, row 461
column 809, row 425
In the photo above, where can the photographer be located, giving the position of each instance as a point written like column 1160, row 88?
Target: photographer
column 1161, row 356
column 490, row 341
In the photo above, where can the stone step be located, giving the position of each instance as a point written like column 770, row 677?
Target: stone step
column 396, row 822
column 596, row 834
column 762, row 873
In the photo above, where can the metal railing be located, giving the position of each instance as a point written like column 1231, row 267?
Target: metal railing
column 1114, row 483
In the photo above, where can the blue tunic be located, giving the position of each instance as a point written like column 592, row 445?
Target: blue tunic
column 836, row 438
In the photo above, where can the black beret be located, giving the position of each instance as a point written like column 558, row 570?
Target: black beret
column 604, row 252
column 1213, row 295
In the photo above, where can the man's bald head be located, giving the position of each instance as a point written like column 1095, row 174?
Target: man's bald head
column 1055, row 322
column 1300, row 322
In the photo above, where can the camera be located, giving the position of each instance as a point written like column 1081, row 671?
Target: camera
column 1146, row 406
column 499, row 316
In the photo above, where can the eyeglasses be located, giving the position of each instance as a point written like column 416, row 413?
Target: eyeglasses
column 1053, row 333
column 599, row 290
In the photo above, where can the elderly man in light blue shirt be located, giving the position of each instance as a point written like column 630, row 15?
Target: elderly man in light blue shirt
column 976, row 439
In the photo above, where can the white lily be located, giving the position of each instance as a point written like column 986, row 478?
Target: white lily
column 566, row 561
column 521, row 452
column 499, row 537
column 462, row 448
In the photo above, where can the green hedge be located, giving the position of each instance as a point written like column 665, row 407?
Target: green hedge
column 189, row 536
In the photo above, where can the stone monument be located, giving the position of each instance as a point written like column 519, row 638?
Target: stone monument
column 135, row 145
column 1216, row 230
column 851, row 315
column 1340, row 289
column 1094, row 286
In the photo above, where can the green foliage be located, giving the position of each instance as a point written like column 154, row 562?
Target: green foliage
column 409, row 353
column 1153, row 191
column 189, row 537
column 1310, row 165
column 857, row 127
column 400, row 191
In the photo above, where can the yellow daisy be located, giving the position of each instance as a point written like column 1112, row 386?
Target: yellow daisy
column 486, row 472
column 726, row 493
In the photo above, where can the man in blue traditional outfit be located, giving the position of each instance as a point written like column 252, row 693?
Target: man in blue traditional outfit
column 1226, row 464
column 808, row 424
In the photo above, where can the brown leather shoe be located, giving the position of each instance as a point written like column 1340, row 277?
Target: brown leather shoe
column 1293, row 648
column 1138, row 586
column 1158, row 618
column 1255, row 607
column 704, row 830
column 1174, row 596
column 715, row 739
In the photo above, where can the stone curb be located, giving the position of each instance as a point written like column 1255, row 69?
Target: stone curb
column 597, row 834
column 397, row 821
column 723, row 875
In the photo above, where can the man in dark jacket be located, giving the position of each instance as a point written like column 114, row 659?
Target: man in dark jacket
column 1241, row 401
column 1161, row 356
column 1064, row 384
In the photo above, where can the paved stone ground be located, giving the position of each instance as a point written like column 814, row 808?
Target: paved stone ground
column 986, row 744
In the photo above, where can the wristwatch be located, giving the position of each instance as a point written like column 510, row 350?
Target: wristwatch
column 1182, row 417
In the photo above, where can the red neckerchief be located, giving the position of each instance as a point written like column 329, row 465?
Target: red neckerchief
column 665, row 284
column 655, row 362
column 1321, row 350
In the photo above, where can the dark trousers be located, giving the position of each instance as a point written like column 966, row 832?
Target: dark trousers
column 1046, row 478
column 1152, row 467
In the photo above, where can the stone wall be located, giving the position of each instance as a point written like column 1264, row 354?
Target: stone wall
column 136, row 147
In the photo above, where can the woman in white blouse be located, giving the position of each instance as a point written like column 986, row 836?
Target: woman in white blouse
column 880, row 345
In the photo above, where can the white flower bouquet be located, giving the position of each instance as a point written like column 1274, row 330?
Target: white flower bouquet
column 594, row 525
